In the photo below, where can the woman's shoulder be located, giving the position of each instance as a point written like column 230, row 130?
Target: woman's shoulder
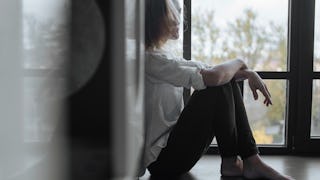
column 161, row 54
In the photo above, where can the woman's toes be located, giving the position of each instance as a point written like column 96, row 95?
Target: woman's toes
column 263, row 171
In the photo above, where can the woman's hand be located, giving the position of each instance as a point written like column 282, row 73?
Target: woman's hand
column 256, row 83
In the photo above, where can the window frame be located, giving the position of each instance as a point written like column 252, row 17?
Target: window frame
column 304, row 55
column 299, row 76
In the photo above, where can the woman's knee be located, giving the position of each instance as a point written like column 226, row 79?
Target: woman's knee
column 212, row 97
column 212, row 91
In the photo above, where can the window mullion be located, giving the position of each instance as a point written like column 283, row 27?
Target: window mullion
column 187, row 41
column 301, row 65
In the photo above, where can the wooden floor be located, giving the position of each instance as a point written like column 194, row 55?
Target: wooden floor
column 300, row 168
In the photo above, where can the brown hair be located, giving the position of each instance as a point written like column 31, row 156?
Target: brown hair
column 158, row 21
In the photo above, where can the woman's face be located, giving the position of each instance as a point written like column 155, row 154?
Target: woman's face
column 176, row 24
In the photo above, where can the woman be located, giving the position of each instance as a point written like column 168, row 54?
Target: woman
column 176, row 137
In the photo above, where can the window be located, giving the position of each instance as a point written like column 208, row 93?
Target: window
column 45, row 49
column 274, row 38
column 268, row 123
column 257, row 32
column 315, row 117
column 315, row 123
column 316, row 64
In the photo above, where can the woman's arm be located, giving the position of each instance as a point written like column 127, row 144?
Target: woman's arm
column 222, row 73
column 242, row 75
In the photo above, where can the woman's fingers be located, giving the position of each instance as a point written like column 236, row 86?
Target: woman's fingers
column 265, row 86
column 254, row 93
column 255, row 84
column 267, row 102
column 265, row 93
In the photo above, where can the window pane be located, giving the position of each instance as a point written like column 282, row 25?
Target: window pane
column 267, row 123
column 253, row 30
column 45, row 33
column 316, row 66
column 315, row 123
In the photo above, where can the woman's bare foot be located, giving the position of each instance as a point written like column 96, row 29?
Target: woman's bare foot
column 232, row 166
column 254, row 167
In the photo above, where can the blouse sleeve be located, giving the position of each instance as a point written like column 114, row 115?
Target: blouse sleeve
column 174, row 71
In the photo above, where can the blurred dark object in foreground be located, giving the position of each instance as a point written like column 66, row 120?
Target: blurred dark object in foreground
column 89, row 121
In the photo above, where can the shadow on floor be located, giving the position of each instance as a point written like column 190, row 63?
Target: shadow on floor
column 187, row 176
column 190, row 176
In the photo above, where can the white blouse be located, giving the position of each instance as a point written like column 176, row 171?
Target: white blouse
column 165, row 77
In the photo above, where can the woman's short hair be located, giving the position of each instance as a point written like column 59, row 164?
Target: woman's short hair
column 160, row 16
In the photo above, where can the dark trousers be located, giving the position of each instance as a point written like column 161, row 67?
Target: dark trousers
column 213, row 112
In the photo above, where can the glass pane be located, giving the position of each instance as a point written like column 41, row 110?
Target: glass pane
column 316, row 66
column 267, row 123
column 45, row 33
column 315, row 120
column 253, row 30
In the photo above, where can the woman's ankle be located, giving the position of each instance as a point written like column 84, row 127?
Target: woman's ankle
column 229, row 160
column 254, row 159
column 231, row 166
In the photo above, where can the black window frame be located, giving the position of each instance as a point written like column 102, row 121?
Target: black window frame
column 299, row 76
